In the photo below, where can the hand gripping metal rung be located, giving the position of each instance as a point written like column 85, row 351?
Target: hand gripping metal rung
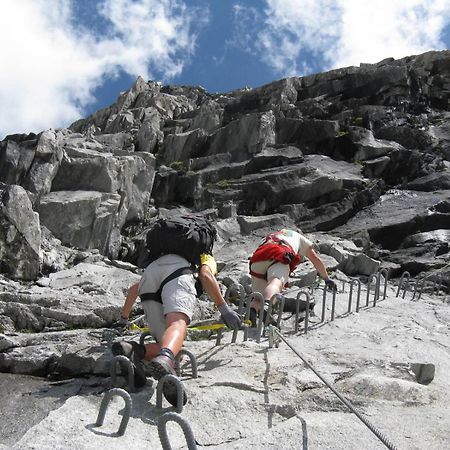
column 233, row 288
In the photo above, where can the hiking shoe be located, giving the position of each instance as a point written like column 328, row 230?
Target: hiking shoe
column 160, row 366
column 127, row 348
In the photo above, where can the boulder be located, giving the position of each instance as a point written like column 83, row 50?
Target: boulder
column 130, row 176
column 441, row 134
column 435, row 181
column 244, row 137
column 33, row 163
column 179, row 148
column 367, row 147
column 310, row 135
column 248, row 224
column 83, row 219
column 20, row 234
column 16, row 158
column 279, row 94
column 398, row 214
column 150, row 137
column 208, row 117
column 112, row 143
column 351, row 259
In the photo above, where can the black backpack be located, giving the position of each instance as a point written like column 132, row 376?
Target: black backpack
column 187, row 236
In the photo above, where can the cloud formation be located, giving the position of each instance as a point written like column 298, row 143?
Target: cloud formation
column 339, row 33
column 51, row 64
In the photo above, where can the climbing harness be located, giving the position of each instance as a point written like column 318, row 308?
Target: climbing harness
column 156, row 296
column 363, row 419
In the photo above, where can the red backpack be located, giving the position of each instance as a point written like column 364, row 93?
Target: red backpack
column 274, row 248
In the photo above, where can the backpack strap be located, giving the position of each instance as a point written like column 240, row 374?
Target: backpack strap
column 156, row 296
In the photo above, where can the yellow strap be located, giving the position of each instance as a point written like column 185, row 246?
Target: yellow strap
column 213, row 326
column 133, row 326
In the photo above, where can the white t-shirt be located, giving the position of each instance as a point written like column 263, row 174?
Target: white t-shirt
column 299, row 243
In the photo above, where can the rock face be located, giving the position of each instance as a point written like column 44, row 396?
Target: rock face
column 20, row 234
column 358, row 158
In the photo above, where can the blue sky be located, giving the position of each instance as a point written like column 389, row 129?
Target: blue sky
column 64, row 59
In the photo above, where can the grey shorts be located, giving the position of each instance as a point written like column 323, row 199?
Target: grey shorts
column 178, row 295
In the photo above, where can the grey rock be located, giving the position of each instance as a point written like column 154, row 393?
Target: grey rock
column 250, row 223
column 20, row 234
column 150, row 136
column 310, row 135
column 424, row 372
column 244, row 137
column 183, row 146
column 351, row 259
column 367, row 147
column 432, row 182
column 83, row 219
column 208, row 117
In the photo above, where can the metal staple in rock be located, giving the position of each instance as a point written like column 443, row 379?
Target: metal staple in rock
column 280, row 300
column 121, row 359
column 251, row 297
column 184, row 424
column 363, row 419
column 385, row 274
column 405, row 275
column 324, row 304
column 333, row 303
column 297, row 310
column 419, row 284
column 369, row 283
column 104, row 405
column 350, row 296
column 192, row 360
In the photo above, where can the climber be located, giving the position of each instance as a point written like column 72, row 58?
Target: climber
column 276, row 257
column 168, row 293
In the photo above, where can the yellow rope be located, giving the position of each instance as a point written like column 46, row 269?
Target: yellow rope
column 213, row 326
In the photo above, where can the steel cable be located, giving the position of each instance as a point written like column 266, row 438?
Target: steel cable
column 363, row 419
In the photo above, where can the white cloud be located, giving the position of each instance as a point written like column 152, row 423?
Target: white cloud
column 303, row 36
column 246, row 22
column 372, row 31
column 50, row 65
